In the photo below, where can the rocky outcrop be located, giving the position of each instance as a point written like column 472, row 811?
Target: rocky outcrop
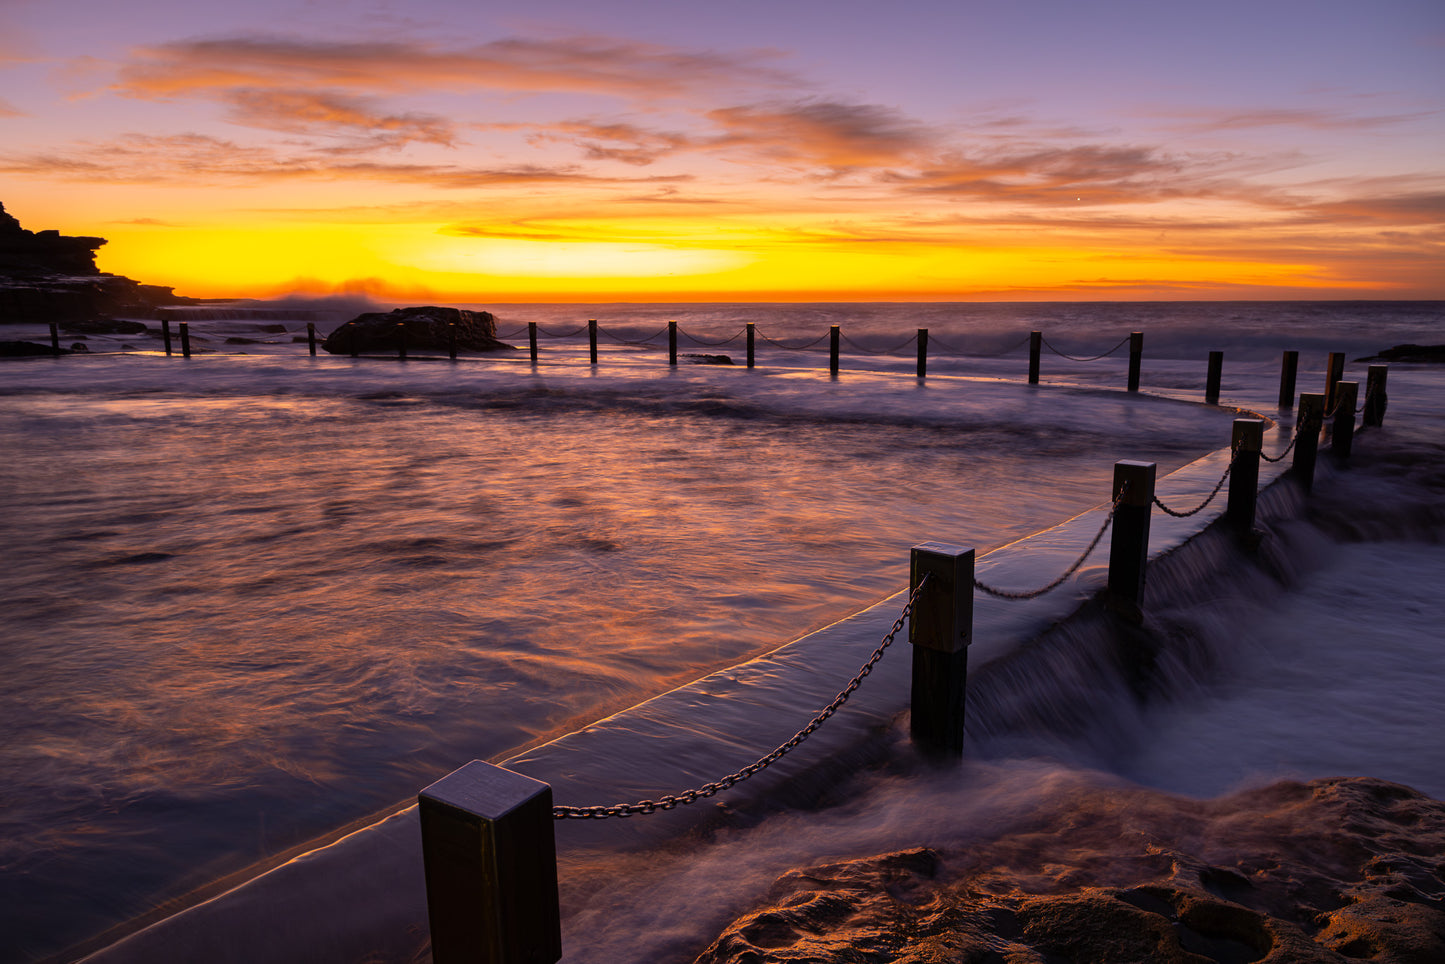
column 1327, row 871
column 428, row 328
column 1409, row 353
column 46, row 276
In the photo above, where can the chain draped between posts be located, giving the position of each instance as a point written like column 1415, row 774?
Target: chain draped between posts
column 1035, row 593
column 1077, row 358
column 691, row 796
column 1210, row 498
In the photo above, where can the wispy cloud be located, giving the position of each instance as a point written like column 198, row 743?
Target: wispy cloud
column 1319, row 119
column 823, row 133
column 356, row 119
column 8, row 109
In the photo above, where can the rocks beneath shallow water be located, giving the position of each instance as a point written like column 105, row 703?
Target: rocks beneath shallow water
column 1326, row 871
column 428, row 328
column 1409, row 353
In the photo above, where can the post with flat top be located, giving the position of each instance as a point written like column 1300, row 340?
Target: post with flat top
column 1129, row 542
column 452, row 340
column 1036, row 344
column 532, row 339
column 1288, row 369
column 1334, row 371
column 401, row 341
column 185, row 339
column 1136, row 358
column 940, row 629
column 311, row 338
column 672, row 343
column 1308, row 422
column 490, row 855
column 833, row 335
column 1216, row 375
column 55, row 337
column 166, row 335
column 1342, row 432
column 751, row 332
column 1246, row 444
column 1375, row 397
column 923, row 353
column 355, row 339
column 592, row 339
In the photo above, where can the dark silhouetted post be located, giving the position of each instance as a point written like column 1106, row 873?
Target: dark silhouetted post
column 833, row 335
column 923, row 353
column 185, row 339
column 1129, row 542
column 401, row 341
column 751, row 333
column 1136, row 358
column 452, row 340
column 1036, row 345
column 166, row 335
column 1309, row 420
column 55, row 337
column 1375, row 397
column 1246, row 444
column 1334, row 371
column 311, row 338
column 1288, row 369
column 592, row 339
column 1342, row 434
column 490, row 855
column 672, row 343
column 355, row 339
column 1216, row 375
column 532, row 339
column 940, row 630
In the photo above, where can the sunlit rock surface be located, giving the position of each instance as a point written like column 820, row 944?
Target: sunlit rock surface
column 428, row 328
column 1331, row 870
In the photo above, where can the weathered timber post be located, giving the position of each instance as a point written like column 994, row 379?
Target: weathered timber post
column 1288, row 369
column 1129, row 542
column 751, row 333
column 1036, row 345
column 833, row 336
column 532, row 339
column 55, row 337
column 1334, row 371
column 1308, row 422
column 1216, row 375
column 490, row 854
column 401, row 341
column 1246, row 443
column 1136, row 358
column 940, row 629
column 923, row 353
column 1375, row 397
column 355, row 341
column 1342, row 434
column 185, row 339
column 672, row 343
column 592, row 339
column 452, row 340
column 166, row 335
column 311, row 338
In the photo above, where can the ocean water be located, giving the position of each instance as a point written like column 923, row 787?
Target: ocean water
column 254, row 597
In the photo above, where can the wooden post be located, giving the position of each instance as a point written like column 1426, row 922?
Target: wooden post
column 923, row 353
column 1216, row 375
column 452, row 340
column 592, row 339
column 55, row 337
column 1036, row 345
column 1334, row 371
column 1246, row 443
column 1375, row 396
column 1288, row 369
column 355, row 341
column 833, row 335
column 940, row 630
column 750, row 344
column 1308, row 422
column 166, row 335
column 401, row 341
column 1136, row 358
column 1342, row 434
column 311, row 338
column 532, row 339
column 1129, row 542
column 490, row 855
column 185, row 339
column 672, row 343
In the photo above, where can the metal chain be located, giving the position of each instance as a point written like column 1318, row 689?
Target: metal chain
column 707, row 790
column 935, row 340
column 1200, row 507
column 561, row 334
column 644, row 342
column 1035, row 593
column 873, row 351
column 1280, row 456
column 779, row 344
column 711, row 344
column 1106, row 354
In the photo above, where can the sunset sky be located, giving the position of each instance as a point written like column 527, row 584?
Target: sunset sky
column 563, row 150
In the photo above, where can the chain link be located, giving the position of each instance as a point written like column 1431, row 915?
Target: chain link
column 819, row 340
column 1106, row 354
column 561, row 334
column 710, row 344
column 1035, row 593
column 874, row 351
column 935, row 340
column 1280, row 456
column 1217, row 486
column 691, row 796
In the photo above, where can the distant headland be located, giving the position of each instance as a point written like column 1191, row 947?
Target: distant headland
column 46, row 276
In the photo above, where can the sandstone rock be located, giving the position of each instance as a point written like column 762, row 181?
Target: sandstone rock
column 427, row 329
